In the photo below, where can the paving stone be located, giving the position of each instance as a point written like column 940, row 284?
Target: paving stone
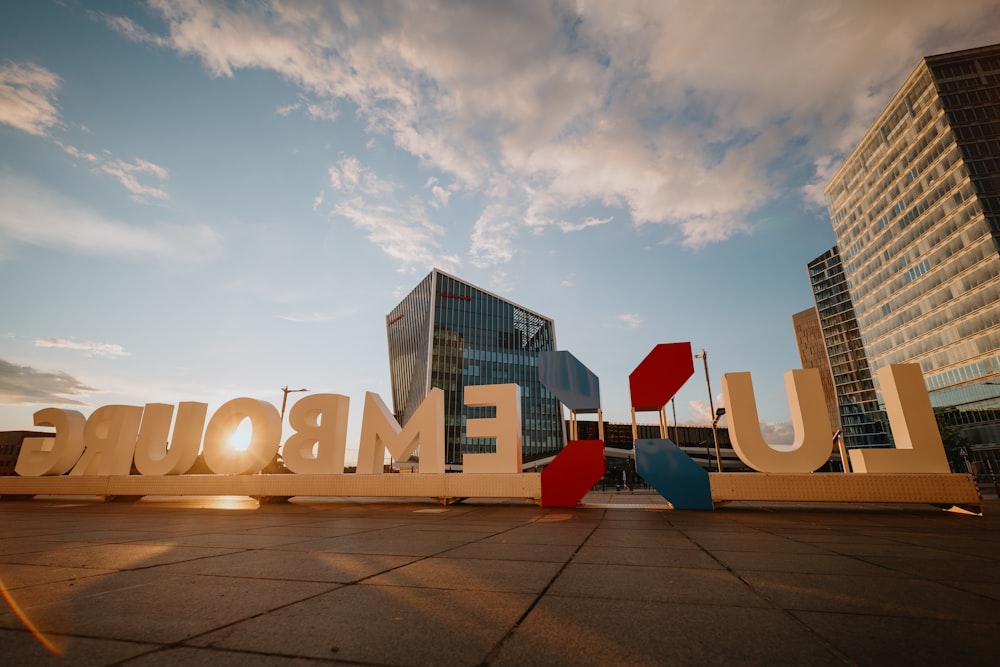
column 662, row 584
column 116, row 556
column 20, row 647
column 144, row 606
column 818, row 563
column 619, row 537
column 400, row 582
column 16, row 575
column 882, row 596
column 291, row 565
column 874, row 640
column 386, row 625
column 619, row 632
column 210, row 657
column 657, row 556
column 471, row 575
column 542, row 534
column 553, row 553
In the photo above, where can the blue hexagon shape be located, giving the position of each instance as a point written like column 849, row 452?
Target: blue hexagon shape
column 673, row 474
column 569, row 380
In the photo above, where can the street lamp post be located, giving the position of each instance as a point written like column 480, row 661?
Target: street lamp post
column 711, row 406
column 284, row 400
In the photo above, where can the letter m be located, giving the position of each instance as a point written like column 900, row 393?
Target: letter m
column 380, row 432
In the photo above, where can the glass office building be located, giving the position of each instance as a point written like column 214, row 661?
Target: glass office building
column 916, row 211
column 450, row 334
column 859, row 414
column 812, row 354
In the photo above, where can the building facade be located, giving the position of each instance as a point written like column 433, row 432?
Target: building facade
column 450, row 334
column 859, row 415
column 916, row 211
column 10, row 448
column 812, row 354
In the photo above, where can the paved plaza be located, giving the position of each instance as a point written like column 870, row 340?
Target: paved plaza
column 622, row 581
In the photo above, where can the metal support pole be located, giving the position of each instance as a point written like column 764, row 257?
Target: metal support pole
column 711, row 406
column 845, row 461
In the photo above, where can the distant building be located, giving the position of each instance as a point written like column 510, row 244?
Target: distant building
column 916, row 211
column 10, row 448
column 860, row 415
column 696, row 441
column 812, row 354
column 450, row 334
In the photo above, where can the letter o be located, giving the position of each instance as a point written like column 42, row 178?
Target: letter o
column 266, row 423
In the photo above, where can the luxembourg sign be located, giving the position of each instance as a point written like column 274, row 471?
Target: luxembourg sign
column 97, row 454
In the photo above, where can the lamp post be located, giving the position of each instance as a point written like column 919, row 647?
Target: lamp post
column 673, row 404
column 284, row 400
column 711, row 406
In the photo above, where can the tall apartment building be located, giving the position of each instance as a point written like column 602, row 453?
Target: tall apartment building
column 812, row 354
column 859, row 415
column 916, row 211
column 450, row 334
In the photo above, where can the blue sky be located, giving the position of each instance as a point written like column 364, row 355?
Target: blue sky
column 200, row 201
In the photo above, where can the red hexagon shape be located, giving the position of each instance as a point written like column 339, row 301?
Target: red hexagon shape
column 572, row 473
column 660, row 375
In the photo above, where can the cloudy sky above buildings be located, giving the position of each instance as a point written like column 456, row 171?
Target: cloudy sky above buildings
column 202, row 200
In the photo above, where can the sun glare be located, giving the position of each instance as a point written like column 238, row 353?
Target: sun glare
column 240, row 440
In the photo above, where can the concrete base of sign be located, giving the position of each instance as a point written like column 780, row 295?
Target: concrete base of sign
column 929, row 488
column 447, row 488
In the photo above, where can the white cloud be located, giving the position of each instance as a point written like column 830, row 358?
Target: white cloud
column 500, row 282
column 26, row 385
column 75, row 152
column 92, row 349
column 700, row 411
column 349, row 176
column 630, row 320
column 493, row 236
column 441, row 195
column 28, row 97
column 129, row 29
column 35, row 215
column 319, row 317
column 28, row 103
column 588, row 222
column 777, row 433
column 128, row 174
column 401, row 229
column 686, row 115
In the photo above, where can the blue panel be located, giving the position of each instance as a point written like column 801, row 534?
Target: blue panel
column 673, row 474
column 569, row 380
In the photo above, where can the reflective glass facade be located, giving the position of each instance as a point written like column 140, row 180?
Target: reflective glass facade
column 812, row 354
column 450, row 334
column 916, row 211
column 861, row 420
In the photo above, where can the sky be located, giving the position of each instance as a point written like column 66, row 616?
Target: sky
column 201, row 201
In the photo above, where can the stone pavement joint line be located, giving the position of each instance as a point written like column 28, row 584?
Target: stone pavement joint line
column 620, row 580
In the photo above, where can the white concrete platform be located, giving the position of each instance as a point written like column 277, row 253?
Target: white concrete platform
column 943, row 489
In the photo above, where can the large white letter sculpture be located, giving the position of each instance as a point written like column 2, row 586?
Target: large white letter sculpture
column 320, row 425
column 153, row 456
column 55, row 455
column 219, row 453
column 914, row 428
column 380, row 432
column 810, row 422
column 109, row 441
column 505, row 427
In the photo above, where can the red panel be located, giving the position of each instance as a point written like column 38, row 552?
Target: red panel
column 660, row 375
column 572, row 473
